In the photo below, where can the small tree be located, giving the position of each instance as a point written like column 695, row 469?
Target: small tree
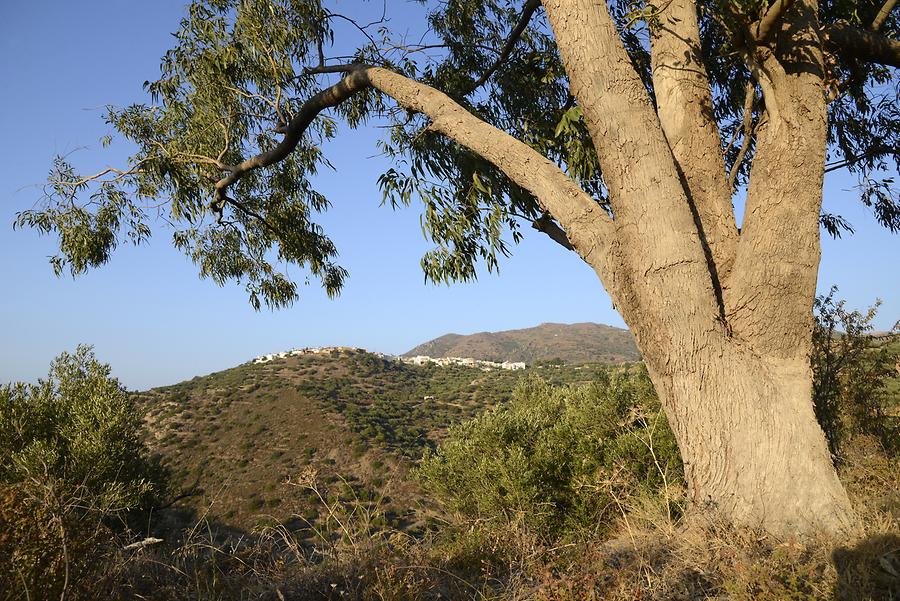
column 72, row 468
column 555, row 459
column 851, row 374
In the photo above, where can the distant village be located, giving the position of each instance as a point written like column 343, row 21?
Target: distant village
column 417, row 360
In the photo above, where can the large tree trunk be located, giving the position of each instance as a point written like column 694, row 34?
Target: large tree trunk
column 730, row 357
column 730, row 362
column 751, row 445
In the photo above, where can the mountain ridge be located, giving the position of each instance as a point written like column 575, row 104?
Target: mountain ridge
column 584, row 342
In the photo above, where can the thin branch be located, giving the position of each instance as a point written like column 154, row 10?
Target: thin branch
column 527, row 12
column 342, row 68
column 545, row 224
column 748, row 133
column 413, row 48
column 269, row 55
column 733, row 138
column 883, row 14
column 251, row 95
column 872, row 152
column 120, row 173
column 227, row 146
column 651, row 12
column 251, row 213
column 362, row 29
column 199, row 159
column 320, row 39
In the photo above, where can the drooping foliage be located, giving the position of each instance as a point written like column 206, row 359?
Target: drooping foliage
column 241, row 69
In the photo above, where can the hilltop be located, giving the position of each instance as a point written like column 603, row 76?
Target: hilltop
column 238, row 437
column 569, row 343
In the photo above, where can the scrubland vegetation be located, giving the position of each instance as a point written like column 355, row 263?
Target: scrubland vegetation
column 558, row 490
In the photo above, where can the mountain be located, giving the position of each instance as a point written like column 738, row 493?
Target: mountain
column 570, row 343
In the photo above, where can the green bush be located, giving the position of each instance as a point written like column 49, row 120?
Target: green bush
column 72, row 469
column 853, row 374
column 558, row 459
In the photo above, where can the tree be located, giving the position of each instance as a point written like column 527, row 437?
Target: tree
column 74, row 471
column 852, row 371
column 558, row 459
column 622, row 130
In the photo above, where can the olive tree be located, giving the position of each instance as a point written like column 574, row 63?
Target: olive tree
column 623, row 130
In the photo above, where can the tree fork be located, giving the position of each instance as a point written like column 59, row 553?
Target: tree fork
column 737, row 432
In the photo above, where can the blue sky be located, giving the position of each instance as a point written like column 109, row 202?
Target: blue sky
column 155, row 322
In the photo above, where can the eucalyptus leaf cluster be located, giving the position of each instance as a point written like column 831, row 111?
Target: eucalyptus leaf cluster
column 240, row 71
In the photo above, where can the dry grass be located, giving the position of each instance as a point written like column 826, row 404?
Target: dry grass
column 351, row 553
column 649, row 557
column 697, row 559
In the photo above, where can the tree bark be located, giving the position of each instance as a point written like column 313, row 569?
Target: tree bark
column 773, row 282
column 655, row 228
column 685, row 108
column 735, row 384
column 752, row 448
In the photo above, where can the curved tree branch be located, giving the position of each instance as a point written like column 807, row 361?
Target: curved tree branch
column 588, row 228
column 747, row 127
column 883, row 14
column 355, row 81
column 769, row 22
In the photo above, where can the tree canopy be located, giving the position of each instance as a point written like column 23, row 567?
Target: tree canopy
column 231, row 141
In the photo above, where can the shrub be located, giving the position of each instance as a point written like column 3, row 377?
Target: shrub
column 558, row 458
column 72, row 468
column 851, row 374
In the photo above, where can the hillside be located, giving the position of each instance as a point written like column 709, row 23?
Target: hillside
column 570, row 343
column 237, row 437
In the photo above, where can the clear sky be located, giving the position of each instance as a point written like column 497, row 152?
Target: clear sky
column 155, row 322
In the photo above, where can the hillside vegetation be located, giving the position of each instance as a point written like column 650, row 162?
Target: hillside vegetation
column 235, row 438
column 344, row 475
column 569, row 343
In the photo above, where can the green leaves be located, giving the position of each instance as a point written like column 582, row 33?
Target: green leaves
column 854, row 374
column 227, row 82
column 77, row 430
column 557, row 458
column 87, row 234
column 73, row 471
column 239, row 70
column 569, row 121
